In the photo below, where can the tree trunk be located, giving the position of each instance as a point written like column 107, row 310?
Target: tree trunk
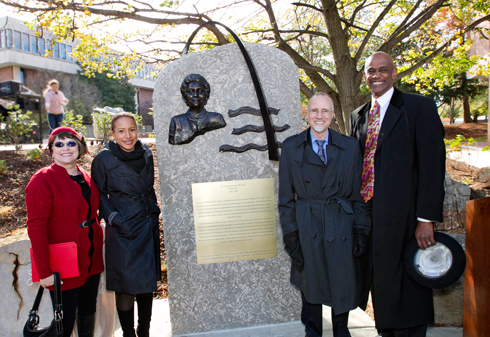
column 451, row 112
column 466, row 110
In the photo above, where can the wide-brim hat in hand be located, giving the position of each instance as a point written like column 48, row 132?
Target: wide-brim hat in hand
column 438, row 266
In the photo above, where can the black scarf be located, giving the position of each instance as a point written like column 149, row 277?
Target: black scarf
column 135, row 159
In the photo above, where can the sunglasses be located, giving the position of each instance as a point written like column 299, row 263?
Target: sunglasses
column 61, row 144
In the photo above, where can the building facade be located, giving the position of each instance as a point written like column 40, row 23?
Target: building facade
column 34, row 60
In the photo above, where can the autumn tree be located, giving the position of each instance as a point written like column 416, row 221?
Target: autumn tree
column 328, row 40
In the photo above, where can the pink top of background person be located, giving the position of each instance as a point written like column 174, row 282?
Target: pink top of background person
column 54, row 98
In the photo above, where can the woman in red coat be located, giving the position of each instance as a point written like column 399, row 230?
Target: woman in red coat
column 62, row 203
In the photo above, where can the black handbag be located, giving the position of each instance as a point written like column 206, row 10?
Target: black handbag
column 31, row 329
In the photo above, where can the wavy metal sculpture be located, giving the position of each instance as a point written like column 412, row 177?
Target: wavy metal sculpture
column 246, row 147
column 250, row 111
column 255, row 128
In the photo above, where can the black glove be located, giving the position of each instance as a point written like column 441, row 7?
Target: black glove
column 291, row 240
column 293, row 248
column 360, row 244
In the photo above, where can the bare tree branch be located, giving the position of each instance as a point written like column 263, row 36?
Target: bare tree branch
column 356, row 10
column 302, row 31
column 372, row 29
column 305, row 90
column 325, row 72
column 299, row 4
column 412, row 26
column 409, row 15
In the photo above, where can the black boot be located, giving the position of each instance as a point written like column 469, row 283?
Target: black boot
column 145, row 303
column 126, row 319
column 86, row 325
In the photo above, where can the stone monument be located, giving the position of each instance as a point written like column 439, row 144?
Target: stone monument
column 236, row 294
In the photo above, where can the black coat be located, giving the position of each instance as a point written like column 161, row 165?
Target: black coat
column 132, row 243
column 323, row 203
column 409, row 167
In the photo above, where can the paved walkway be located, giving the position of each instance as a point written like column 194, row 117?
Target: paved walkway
column 360, row 325
column 472, row 155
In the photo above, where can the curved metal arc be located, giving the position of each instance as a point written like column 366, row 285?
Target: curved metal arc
column 264, row 109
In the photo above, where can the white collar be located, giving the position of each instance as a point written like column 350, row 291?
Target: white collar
column 313, row 138
column 385, row 99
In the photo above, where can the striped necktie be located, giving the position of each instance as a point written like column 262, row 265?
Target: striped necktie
column 321, row 151
column 367, row 183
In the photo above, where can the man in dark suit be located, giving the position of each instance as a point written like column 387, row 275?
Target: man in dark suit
column 324, row 220
column 401, row 138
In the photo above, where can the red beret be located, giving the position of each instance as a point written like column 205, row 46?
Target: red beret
column 64, row 129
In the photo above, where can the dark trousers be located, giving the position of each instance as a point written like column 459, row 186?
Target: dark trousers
column 311, row 316
column 83, row 298
column 54, row 121
column 416, row 331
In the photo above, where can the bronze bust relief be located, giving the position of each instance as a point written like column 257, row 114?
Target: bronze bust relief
column 197, row 120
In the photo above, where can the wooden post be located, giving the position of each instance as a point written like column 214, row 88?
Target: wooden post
column 477, row 273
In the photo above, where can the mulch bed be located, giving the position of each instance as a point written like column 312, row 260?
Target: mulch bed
column 468, row 130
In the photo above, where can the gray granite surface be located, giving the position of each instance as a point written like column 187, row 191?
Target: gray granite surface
column 233, row 294
column 17, row 292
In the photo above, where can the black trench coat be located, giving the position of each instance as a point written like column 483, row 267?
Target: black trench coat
column 324, row 204
column 409, row 167
column 132, row 246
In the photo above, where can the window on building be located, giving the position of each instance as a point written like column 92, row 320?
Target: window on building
column 2, row 38
column 49, row 47
column 17, row 40
column 34, row 44
column 10, row 41
column 41, row 47
column 62, row 51
column 22, row 75
column 56, row 51
column 26, row 46
column 68, row 51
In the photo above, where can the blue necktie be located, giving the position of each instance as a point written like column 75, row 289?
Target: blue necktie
column 321, row 151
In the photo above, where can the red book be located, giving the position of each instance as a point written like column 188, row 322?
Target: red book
column 64, row 260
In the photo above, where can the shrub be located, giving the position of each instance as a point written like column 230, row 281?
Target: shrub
column 17, row 126
column 34, row 154
column 74, row 122
column 3, row 167
column 102, row 123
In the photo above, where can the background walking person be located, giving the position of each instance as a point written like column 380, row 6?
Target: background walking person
column 54, row 102
column 124, row 173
